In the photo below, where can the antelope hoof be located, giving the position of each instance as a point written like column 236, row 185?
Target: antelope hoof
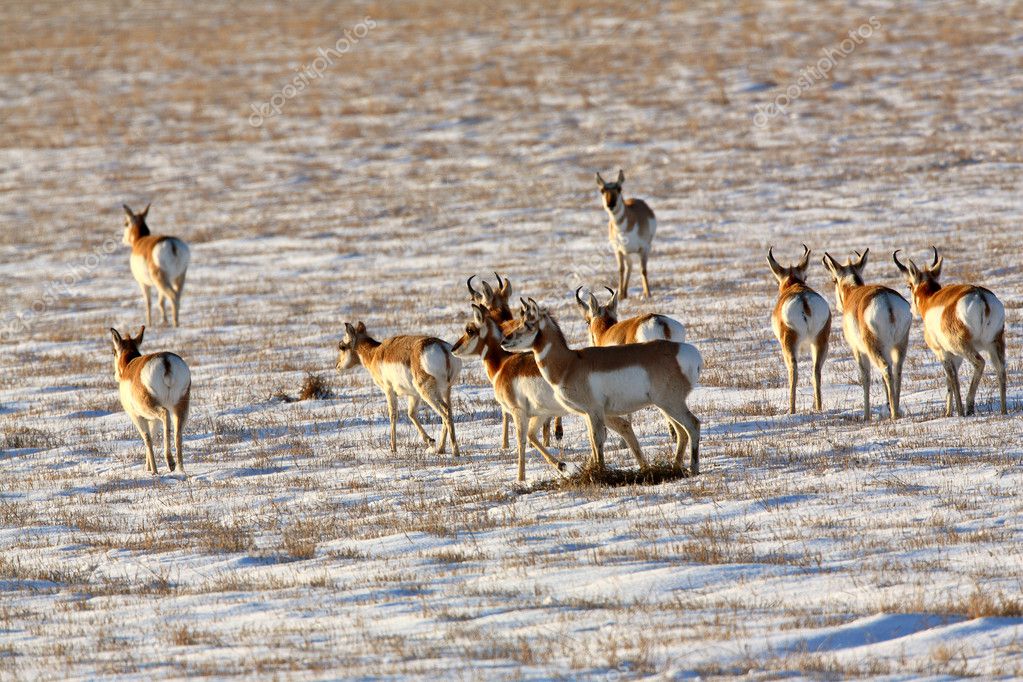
column 171, row 465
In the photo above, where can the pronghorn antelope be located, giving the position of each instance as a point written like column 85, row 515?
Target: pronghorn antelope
column 154, row 387
column 960, row 321
column 876, row 323
column 801, row 318
column 601, row 381
column 521, row 390
column 495, row 301
column 418, row 367
column 631, row 230
column 156, row 261
column 607, row 330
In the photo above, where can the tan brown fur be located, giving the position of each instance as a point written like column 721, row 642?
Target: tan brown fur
column 654, row 370
column 793, row 290
column 166, row 272
column 607, row 330
column 483, row 337
column 968, row 320
column 876, row 321
column 631, row 229
column 497, row 301
column 145, row 402
column 620, row 332
column 396, row 366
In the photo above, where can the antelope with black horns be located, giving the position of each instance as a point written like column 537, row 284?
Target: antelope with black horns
column 961, row 321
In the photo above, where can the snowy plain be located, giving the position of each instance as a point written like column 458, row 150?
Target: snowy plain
column 456, row 139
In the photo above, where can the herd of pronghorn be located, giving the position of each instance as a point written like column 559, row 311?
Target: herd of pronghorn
column 632, row 363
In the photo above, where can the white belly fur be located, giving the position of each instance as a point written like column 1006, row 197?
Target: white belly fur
column 622, row 390
column 397, row 377
column 538, row 397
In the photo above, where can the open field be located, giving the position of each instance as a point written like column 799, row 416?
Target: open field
column 453, row 138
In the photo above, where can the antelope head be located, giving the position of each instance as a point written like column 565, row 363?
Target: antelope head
column 347, row 357
column 786, row 276
column 134, row 224
column 477, row 332
column 125, row 349
column 920, row 281
column 848, row 274
column 592, row 310
column 611, row 192
column 531, row 323
column 495, row 300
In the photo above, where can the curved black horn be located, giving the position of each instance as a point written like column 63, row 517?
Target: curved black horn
column 771, row 260
column 936, row 258
column 500, row 282
column 472, row 292
column 898, row 264
column 805, row 260
column 577, row 299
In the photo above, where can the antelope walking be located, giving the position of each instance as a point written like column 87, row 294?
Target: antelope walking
column 631, row 230
column 603, row 381
column 607, row 330
column 521, row 390
column 960, row 321
column 876, row 321
column 154, row 387
column 156, row 261
column 417, row 367
column 801, row 318
column 496, row 302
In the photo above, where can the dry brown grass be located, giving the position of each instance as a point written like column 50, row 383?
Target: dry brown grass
column 372, row 196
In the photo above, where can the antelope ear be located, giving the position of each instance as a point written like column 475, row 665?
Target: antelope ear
column 478, row 314
column 360, row 328
column 621, row 177
column 862, row 262
column 138, row 337
column 829, row 262
column 349, row 329
column 600, row 181
column 127, row 210
column 116, row 339
column 145, row 211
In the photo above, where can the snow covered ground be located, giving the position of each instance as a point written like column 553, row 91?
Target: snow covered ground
column 456, row 138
